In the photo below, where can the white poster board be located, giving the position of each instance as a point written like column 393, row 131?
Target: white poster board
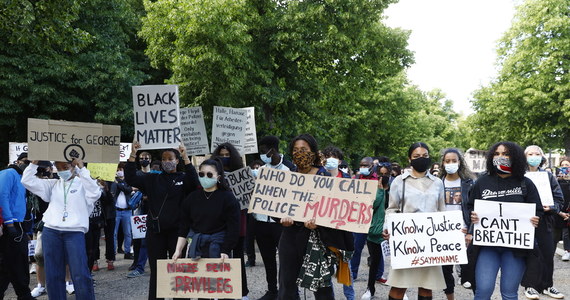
column 542, row 183
column 15, row 149
column 504, row 224
column 156, row 116
column 250, row 132
column 241, row 183
column 228, row 126
column 126, row 149
column 193, row 130
column 426, row 239
column 476, row 160
column 138, row 226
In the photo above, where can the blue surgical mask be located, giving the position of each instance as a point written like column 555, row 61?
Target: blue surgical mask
column 265, row 159
column 364, row 171
column 207, row 183
column 332, row 163
column 534, row 161
column 155, row 172
column 65, row 175
column 255, row 172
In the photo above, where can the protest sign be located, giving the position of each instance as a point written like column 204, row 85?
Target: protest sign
column 193, row 130
column 228, row 126
column 138, row 226
column 333, row 202
column 32, row 247
column 542, row 183
column 250, row 132
column 105, row 172
column 125, row 151
column 156, row 109
column 15, row 149
column 242, row 183
column 64, row 141
column 204, row 278
column 504, row 224
column 426, row 239
column 476, row 160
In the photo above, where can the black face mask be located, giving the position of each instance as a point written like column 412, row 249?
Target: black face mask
column 145, row 163
column 421, row 164
column 385, row 179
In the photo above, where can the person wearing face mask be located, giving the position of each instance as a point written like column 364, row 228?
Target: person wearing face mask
column 66, row 220
column 540, row 267
column 121, row 193
column 416, row 191
column 250, row 232
column 505, row 181
column 230, row 157
column 457, row 182
column 14, row 242
column 165, row 192
column 269, row 154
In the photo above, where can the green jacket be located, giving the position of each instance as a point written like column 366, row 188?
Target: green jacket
column 375, row 231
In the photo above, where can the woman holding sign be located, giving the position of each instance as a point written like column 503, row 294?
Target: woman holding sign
column 504, row 182
column 412, row 192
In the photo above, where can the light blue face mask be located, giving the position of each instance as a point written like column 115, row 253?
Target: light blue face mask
column 255, row 172
column 364, row 171
column 534, row 161
column 65, row 175
column 207, row 182
column 332, row 163
column 265, row 159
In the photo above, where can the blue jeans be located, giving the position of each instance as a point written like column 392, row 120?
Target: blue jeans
column 61, row 248
column 143, row 256
column 489, row 261
column 359, row 241
column 124, row 218
column 348, row 290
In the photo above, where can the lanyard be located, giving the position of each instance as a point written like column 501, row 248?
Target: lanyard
column 65, row 198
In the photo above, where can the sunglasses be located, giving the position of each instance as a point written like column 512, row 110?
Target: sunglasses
column 209, row 174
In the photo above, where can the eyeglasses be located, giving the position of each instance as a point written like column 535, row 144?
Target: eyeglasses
column 209, row 174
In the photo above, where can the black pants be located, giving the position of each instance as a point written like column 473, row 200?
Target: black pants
column 92, row 244
column 250, row 238
column 237, row 252
column 267, row 236
column 449, row 280
column 110, row 239
column 160, row 246
column 375, row 252
column 292, row 248
column 14, row 263
column 540, row 263
column 136, row 249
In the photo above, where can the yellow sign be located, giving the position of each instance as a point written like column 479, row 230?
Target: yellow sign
column 102, row 171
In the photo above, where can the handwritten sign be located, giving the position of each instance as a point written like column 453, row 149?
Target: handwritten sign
column 242, row 183
column 32, row 247
column 542, row 183
column 157, row 123
column 106, row 172
column 504, row 224
column 228, row 126
column 15, row 149
column 426, row 239
column 125, row 151
column 193, row 130
column 138, row 226
column 476, row 160
column 63, row 141
column 205, row 278
column 333, row 202
column 250, row 132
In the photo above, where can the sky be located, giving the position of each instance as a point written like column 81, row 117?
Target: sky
column 454, row 43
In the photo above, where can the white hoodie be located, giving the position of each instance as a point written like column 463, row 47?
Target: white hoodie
column 81, row 197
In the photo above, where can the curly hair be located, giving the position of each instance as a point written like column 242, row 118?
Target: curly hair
column 312, row 144
column 333, row 151
column 464, row 172
column 516, row 155
column 235, row 158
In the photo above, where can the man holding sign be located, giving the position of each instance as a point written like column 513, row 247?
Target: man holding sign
column 504, row 208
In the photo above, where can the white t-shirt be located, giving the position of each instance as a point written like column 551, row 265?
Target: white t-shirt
column 121, row 200
column 453, row 197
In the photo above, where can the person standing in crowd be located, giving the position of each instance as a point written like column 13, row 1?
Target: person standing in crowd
column 540, row 267
column 14, row 242
column 415, row 192
column 232, row 161
column 121, row 192
column 165, row 192
column 457, row 182
column 71, row 199
column 506, row 166
column 110, row 213
column 562, row 221
column 250, row 232
column 96, row 223
column 294, row 268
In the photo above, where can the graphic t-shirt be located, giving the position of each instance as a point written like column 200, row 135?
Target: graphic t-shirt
column 453, row 197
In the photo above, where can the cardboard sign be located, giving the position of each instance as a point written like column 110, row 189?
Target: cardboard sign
column 125, row 152
column 242, row 183
column 156, row 109
column 63, row 141
column 228, row 126
column 106, row 172
column 504, row 224
column 138, row 226
column 193, row 130
column 340, row 203
column 15, row 149
column 250, row 132
column 542, row 183
column 476, row 160
column 426, row 239
column 203, row 278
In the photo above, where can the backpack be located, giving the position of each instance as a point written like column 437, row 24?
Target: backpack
column 135, row 200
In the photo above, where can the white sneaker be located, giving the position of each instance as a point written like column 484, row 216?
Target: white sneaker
column 405, row 297
column 69, row 287
column 467, row 284
column 553, row 292
column 566, row 256
column 245, row 298
column 531, row 293
column 33, row 269
column 38, row 291
column 367, row 295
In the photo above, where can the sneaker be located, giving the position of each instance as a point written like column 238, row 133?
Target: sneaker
column 566, row 256
column 467, row 284
column 368, row 295
column 135, row 274
column 95, row 267
column 269, row 296
column 382, row 280
column 110, row 266
column 33, row 269
column 405, row 297
column 553, row 292
column 245, row 298
column 70, row 288
column 38, row 291
column 531, row 293
column 128, row 256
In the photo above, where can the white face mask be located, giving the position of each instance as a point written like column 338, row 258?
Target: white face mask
column 451, row 168
column 332, row 163
column 344, row 170
column 65, row 175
